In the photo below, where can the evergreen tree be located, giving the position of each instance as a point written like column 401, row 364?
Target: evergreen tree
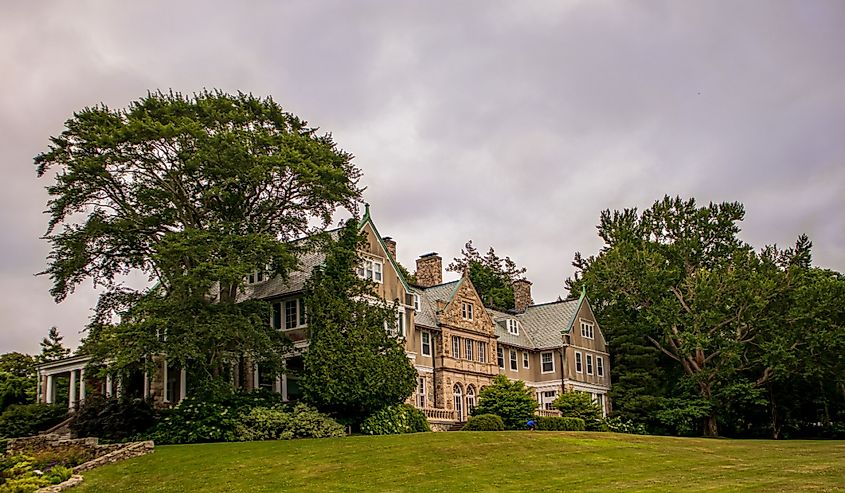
column 52, row 348
column 354, row 365
column 492, row 276
column 511, row 400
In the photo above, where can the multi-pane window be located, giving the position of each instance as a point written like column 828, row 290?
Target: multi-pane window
column 586, row 330
column 525, row 359
column 549, row 398
column 513, row 327
column 456, row 347
column 294, row 313
column 548, row 363
column 589, row 364
column 578, row 364
column 500, row 356
column 400, row 322
column 416, row 302
column 469, row 346
column 466, row 311
column 482, row 352
column 425, row 343
column 599, row 366
column 421, row 393
column 371, row 270
column 513, row 360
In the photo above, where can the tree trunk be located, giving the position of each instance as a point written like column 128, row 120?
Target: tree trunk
column 711, row 428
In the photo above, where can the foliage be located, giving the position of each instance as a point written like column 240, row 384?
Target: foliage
column 616, row 424
column 18, row 474
column 559, row 423
column 492, row 276
column 355, row 364
column 66, row 454
column 195, row 192
column 697, row 321
column 578, row 405
column 113, row 419
column 484, row 422
column 402, row 418
column 21, row 420
column 511, row 400
column 52, row 348
column 18, row 382
column 301, row 421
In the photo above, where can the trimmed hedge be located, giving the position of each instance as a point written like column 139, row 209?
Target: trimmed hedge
column 484, row 422
column 393, row 420
column 22, row 420
column 558, row 423
column 301, row 421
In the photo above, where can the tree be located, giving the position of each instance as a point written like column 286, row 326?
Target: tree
column 578, row 405
column 17, row 379
column 678, row 279
column 492, row 276
column 355, row 364
column 511, row 400
column 196, row 193
column 52, row 348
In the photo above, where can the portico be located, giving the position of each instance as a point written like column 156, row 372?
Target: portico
column 74, row 369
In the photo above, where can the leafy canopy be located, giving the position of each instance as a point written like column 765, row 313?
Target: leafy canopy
column 511, row 400
column 355, row 364
column 492, row 276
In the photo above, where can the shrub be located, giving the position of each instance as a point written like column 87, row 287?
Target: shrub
column 392, row 420
column 113, row 419
column 20, row 420
column 19, row 475
column 484, row 422
column 58, row 474
column 618, row 425
column 559, row 423
column 301, row 421
column 307, row 422
column 510, row 400
column 579, row 405
column 65, row 454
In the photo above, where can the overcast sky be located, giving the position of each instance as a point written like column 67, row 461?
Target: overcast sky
column 510, row 123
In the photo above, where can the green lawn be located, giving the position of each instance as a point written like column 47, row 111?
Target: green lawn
column 482, row 461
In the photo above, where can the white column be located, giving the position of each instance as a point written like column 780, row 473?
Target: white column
column 71, row 390
column 164, row 379
column 284, row 387
column 183, row 384
column 81, row 386
column 277, row 385
column 146, row 385
column 255, row 381
column 108, row 386
column 50, row 389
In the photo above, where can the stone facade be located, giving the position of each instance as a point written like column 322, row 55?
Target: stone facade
column 429, row 270
column 522, row 295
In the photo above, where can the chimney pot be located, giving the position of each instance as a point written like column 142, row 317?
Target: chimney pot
column 391, row 245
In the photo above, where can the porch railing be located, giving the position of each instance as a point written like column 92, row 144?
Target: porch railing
column 439, row 414
column 547, row 412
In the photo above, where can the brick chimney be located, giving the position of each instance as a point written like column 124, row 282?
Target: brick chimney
column 390, row 244
column 429, row 270
column 522, row 295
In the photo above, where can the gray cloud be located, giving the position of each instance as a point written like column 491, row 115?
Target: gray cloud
column 512, row 124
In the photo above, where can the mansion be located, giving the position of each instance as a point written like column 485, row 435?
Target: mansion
column 456, row 344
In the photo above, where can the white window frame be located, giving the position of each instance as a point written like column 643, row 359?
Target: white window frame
column 468, row 349
column 551, row 358
column 514, row 365
column 372, row 270
column 400, row 322
column 500, row 357
column 466, row 310
column 482, row 352
column 300, row 313
column 525, row 360
column 513, row 326
column 548, row 397
column 416, row 302
column 421, row 402
column 579, row 362
column 589, row 364
column 456, row 343
column 425, row 341
column 599, row 366
column 587, row 330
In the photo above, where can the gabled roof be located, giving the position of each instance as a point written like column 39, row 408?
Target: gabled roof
column 427, row 316
column 541, row 326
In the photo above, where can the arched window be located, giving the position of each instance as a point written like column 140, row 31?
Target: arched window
column 459, row 401
column 470, row 399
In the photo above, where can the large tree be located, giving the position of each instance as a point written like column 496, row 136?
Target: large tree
column 52, row 348
column 195, row 192
column 17, row 379
column 492, row 276
column 355, row 364
column 677, row 281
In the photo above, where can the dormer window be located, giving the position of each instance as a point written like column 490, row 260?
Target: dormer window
column 466, row 311
column 416, row 299
column 259, row 276
column 513, row 327
column 586, row 330
column 372, row 270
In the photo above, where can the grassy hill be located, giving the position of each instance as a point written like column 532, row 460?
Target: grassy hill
column 482, row 461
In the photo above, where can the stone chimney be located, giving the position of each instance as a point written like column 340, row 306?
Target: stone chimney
column 429, row 270
column 390, row 244
column 522, row 295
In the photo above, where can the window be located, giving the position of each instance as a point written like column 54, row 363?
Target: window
column 277, row 315
column 469, row 345
column 513, row 327
column 600, row 402
column 525, row 359
column 291, row 314
column 470, row 398
column 599, row 366
column 466, row 311
column 456, row 347
column 257, row 276
column 416, row 298
column 421, row 393
column 513, row 360
column 589, row 364
column 500, row 356
column 400, row 322
column 482, row 352
column 586, row 330
column 578, row 367
column 549, row 398
column 425, row 343
column 371, row 270
column 459, row 402
column 548, row 362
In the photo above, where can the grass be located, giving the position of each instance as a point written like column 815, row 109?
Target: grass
column 482, row 461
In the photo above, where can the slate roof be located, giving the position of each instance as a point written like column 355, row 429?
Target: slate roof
column 541, row 326
column 427, row 316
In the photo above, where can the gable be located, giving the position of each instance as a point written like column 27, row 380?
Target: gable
column 453, row 313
